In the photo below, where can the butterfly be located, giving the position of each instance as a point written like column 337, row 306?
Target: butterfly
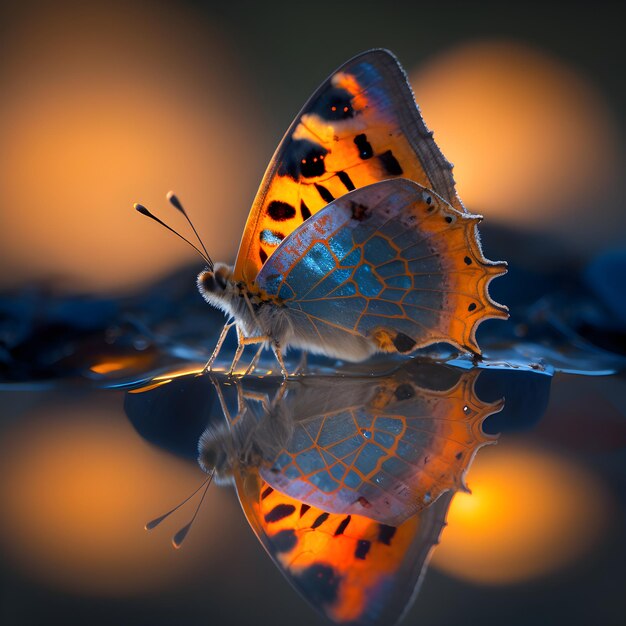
column 385, row 449
column 345, row 482
column 356, row 242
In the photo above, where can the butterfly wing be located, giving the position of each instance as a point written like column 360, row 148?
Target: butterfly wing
column 388, row 456
column 361, row 126
column 391, row 264
column 352, row 569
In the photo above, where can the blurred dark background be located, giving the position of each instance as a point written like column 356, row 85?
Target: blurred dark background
column 106, row 103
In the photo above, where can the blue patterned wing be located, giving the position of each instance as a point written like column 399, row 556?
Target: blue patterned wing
column 390, row 451
column 390, row 267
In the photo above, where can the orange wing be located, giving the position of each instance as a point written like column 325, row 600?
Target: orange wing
column 360, row 127
column 352, row 569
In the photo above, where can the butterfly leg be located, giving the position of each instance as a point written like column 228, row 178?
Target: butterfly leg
column 218, row 346
column 242, row 407
column 280, row 394
column 243, row 342
column 262, row 398
column 279, row 358
column 255, row 360
column 240, row 347
column 242, row 403
column 275, row 348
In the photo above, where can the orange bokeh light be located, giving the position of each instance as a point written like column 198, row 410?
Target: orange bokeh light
column 77, row 487
column 532, row 141
column 106, row 104
column 530, row 513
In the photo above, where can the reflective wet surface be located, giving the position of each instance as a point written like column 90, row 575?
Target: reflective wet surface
column 435, row 487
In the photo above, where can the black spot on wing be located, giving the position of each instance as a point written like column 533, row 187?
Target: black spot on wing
column 319, row 520
column 262, row 255
column 362, row 548
column 304, row 508
column 324, row 193
column 364, row 147
column 403, row 343
column 346, row 180
column 284, row 541
column 280, row 211
column 359, row 211
column 319, row 583
column 302, row 158
column 342, row 525
column 312, row 167
column 280, row 511
column 304, row 210
column 386, row 533
column 471, row 307
column 333, row 104
column 266, row 492
column 404, row 392
column 390, row 163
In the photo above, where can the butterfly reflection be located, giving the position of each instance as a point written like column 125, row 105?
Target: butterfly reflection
column 345, row 481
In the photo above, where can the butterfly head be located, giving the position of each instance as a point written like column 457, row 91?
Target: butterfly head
column 215, row 281
column 217, row 287
column 218, row 453
column 215, row 457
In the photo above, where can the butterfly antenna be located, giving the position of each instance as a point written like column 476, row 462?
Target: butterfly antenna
column 179, row 537
column 176, row 203
column 157, row 520
column 142, row 209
